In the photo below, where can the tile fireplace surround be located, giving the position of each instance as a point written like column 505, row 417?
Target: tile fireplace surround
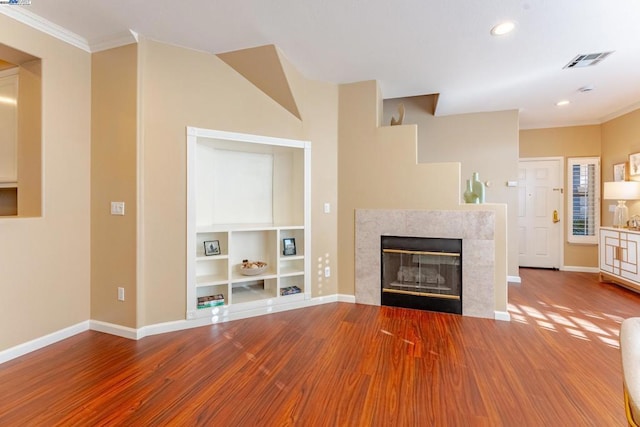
column 475, row 228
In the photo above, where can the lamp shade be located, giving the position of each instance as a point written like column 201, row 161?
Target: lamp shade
column 622, row 190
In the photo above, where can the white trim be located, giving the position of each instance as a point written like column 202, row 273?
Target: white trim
column 514, row 279
column 140, row 191
column 551, row 125
column 621, row 112
column 347, row 298
column 113, row 329
column 246, row 137
column 253, row 311
column 39, row 23
column 113, row 41
column 159, row 328
column 597, row 198
column 38, row 343
column 178, row 325
column 503, row 316
column 580, row 269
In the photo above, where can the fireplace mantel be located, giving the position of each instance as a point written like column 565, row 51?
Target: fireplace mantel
column 475, row 228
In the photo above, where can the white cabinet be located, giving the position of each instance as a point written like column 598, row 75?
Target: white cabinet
column 619, row 256
column 246, row 196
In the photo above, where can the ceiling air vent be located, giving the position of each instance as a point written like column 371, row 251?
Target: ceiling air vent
column 585, row 60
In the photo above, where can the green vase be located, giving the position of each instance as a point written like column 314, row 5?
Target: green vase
column 469, row 195
column 478, row 187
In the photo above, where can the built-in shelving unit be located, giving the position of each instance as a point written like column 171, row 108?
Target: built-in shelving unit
column 245, row 195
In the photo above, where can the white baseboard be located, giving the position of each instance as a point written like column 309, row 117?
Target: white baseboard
column 38, row 343
column 347, row 298
column 502, row 315
column 178, row 325
column 579, row 269
column 514, row 279
column 113, row 329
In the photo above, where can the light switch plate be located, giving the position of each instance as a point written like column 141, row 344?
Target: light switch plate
column 117, row 208
column 327, row 207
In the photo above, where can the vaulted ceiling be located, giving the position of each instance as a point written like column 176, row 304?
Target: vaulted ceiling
column 412, row 47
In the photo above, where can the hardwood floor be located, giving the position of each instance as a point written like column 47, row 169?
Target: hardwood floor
column 556, row 363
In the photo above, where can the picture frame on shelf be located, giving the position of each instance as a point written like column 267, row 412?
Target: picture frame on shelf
column 634, row 164
column 211, row 247
column 288, row 246
column 620, row 172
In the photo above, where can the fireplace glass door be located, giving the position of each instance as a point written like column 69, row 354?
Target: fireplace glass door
column 427, row 278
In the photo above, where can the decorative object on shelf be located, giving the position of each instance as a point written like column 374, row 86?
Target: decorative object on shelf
column 469, row 195
column 634, row 164
column 212, row 247
column 252, row 268
column 210, row 301
column 621, row 191
column 478, row 187
column 634, row 222
column 620, row 172
column 475, row 190
column 290, row 290
column 398, row 122
column 288, row 246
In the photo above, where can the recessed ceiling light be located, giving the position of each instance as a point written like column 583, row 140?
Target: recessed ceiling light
column 562, row 103
column 503, row 28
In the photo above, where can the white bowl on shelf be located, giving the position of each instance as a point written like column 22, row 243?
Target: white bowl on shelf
column 253, row 268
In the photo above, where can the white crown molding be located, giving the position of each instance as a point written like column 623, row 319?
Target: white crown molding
column 116, row 40
column 561, row 125
column 31, row 19
column 621, row 112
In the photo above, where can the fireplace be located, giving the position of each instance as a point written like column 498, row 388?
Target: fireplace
column 422, row 273
column 475, row 228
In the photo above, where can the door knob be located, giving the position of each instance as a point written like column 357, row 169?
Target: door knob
column 556, row 217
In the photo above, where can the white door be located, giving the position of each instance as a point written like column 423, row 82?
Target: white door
column 540, row 196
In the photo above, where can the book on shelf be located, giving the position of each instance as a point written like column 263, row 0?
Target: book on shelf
column 209, row 304
column 210, row 301
column 290, row 290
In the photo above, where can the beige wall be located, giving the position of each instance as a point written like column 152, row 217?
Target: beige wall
column 44, row 285
column 575, row 141
column 113, row 178
column 620, row 137
column 182, row 88
column 378, row 169
column 486, row 143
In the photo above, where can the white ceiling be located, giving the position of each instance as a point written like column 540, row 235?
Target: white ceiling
column 412, row 47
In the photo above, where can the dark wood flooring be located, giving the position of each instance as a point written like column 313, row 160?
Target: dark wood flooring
column 557, row 363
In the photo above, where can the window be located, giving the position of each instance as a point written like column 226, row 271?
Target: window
column 584, row 199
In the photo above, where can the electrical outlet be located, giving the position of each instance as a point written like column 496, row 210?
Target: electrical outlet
column 120, row 294
column 327, row 207
column 327, row 272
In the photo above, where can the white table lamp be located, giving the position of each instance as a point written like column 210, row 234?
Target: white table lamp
column 621, row 191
